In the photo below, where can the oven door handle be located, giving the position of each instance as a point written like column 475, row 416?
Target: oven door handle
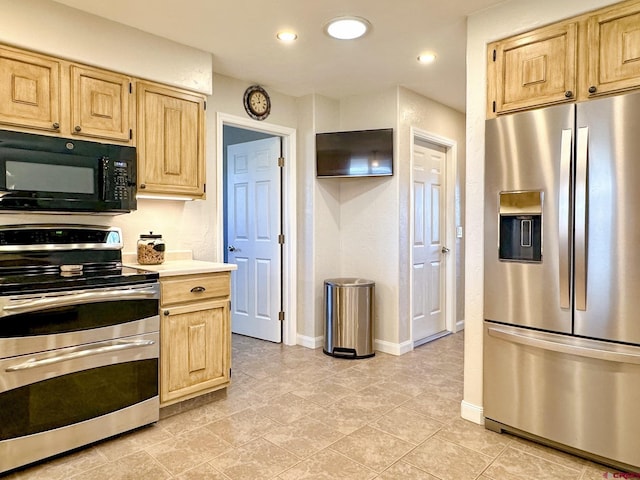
column 105, row 347
column 79, row 297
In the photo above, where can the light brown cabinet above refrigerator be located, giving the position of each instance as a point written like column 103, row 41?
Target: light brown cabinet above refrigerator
column 580, row 58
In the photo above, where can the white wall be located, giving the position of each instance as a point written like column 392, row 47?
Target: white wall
column 326, row 214
column 360, row 226
column 502, row 21
column 369, row 215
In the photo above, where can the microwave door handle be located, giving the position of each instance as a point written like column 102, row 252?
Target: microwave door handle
column 76, row 298
column 582, row 171
column 564, row 219
column 103, row 178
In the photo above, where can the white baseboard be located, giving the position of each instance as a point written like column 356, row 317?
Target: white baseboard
column 393, row 348
column 471, row 412
column 309, row 342
column 459, row 326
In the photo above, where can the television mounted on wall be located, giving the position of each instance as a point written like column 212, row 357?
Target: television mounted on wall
column 360, row 153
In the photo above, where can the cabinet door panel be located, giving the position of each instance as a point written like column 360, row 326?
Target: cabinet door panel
column 195, row 349
column 29, row 90
column 537, row 68
column 100, row 104
column 171, row 141
column 614, row 50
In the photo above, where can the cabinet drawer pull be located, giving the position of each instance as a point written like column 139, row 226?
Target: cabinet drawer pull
column 198, row 289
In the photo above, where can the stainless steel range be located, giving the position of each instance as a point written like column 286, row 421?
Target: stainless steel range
column 79, row 341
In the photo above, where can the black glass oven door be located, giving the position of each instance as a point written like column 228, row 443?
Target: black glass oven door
column 50, row 390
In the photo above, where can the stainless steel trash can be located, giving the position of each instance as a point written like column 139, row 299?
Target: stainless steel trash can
column 348, row 314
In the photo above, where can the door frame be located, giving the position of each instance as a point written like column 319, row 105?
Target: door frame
column 450, row 174
column 289, row 276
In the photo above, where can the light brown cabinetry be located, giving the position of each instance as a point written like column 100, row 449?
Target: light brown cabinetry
column 535, row 68
column 29, row 90
column 42, row 94
column 170, row 141
column 613, row 56
column 100, row 104
column 594, row 54
column 195, row 331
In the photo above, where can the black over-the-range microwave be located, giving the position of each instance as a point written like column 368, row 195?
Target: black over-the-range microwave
column 39, row 173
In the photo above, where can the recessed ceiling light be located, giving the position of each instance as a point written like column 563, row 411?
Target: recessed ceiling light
column 426, row 57
column 347, row 28
column 286, row 36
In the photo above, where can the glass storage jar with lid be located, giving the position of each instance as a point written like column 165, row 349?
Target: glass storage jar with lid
column 150, row 249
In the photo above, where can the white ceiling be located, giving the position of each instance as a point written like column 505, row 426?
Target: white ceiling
column 241, row 36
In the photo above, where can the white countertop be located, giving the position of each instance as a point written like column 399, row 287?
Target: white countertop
column 179, row 265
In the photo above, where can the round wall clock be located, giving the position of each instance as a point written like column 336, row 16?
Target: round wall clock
column 257, row 102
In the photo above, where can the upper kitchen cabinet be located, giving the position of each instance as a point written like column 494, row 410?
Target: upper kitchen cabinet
column 170, row 141
column 613, row 53
column 533, row 69
column 29, row 90
column 593, row 54
column 100, row 104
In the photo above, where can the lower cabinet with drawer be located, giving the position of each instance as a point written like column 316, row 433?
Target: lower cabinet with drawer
column 195, row 355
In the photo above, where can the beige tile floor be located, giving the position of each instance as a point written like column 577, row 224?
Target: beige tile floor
column 293, row 413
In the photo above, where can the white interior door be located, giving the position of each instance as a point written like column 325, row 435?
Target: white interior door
column 429, row 319
column 253, row 226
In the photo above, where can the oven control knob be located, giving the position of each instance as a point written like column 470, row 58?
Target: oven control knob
column 166, row 313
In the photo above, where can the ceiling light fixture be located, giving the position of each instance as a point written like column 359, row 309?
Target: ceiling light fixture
column 426, row 57
column 347, row 28
column 286, row 36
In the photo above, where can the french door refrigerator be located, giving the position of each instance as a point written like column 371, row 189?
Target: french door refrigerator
column 562, row 277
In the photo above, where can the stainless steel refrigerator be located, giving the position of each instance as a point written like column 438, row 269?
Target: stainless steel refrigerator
column 562, row 277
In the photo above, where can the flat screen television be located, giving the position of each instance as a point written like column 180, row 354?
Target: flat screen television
column 361, row 153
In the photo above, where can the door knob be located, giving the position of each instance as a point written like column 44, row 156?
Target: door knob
column 445, row 250
column 231, row 248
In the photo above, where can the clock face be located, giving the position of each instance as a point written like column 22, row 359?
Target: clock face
column 257, row 102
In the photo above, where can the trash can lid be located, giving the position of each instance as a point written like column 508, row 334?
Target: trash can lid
column 349, row 282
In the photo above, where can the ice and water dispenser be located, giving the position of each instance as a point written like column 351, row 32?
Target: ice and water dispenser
column 520, row 226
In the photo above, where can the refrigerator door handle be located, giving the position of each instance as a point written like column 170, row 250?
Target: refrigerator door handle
column 582, row 169
column 564, row 221
column 566, row 348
